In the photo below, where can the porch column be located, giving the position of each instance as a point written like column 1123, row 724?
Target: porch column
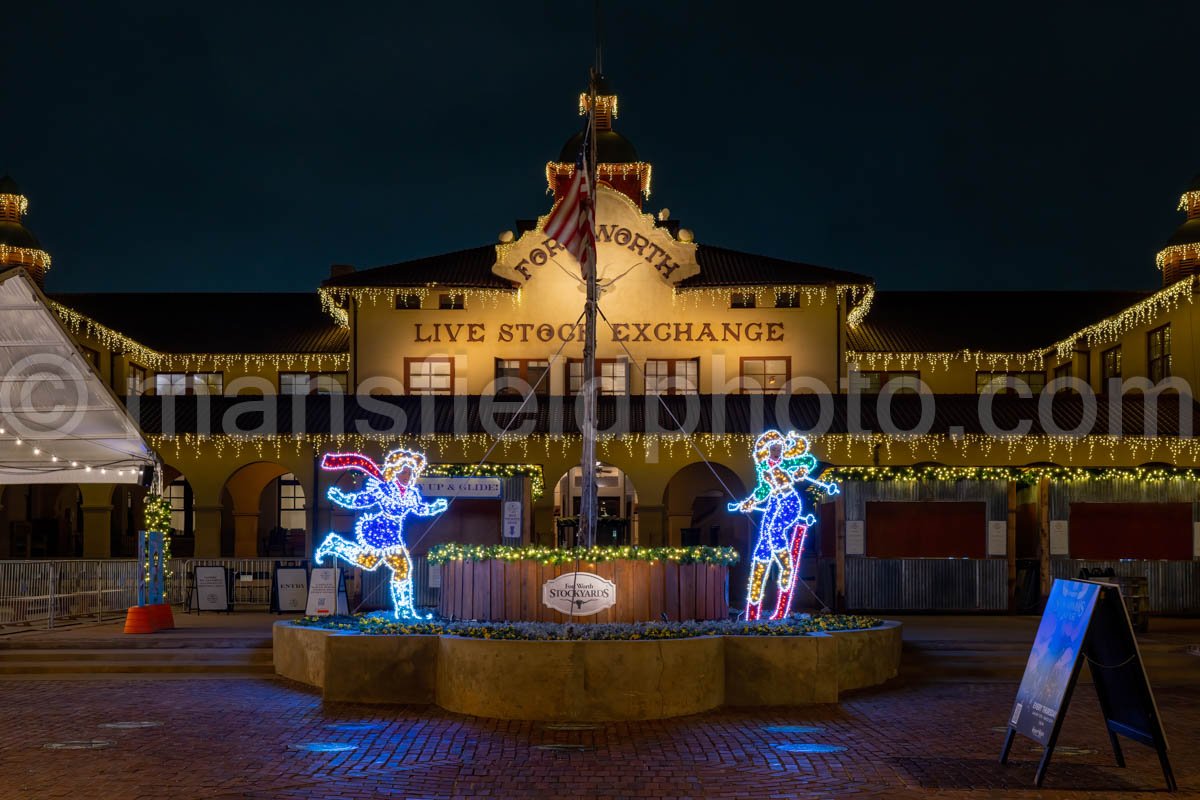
column 208, row 531
column 97, row 519
column 245, row 534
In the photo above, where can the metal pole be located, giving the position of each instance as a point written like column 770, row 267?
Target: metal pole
column 587, row 499
column 50, row 592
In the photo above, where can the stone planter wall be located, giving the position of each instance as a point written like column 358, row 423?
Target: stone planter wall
column 587, row 680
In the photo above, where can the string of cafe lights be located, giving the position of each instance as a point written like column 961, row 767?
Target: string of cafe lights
column 56, row 463
column 84, row 326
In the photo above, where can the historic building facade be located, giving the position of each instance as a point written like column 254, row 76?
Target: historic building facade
column 931, row 407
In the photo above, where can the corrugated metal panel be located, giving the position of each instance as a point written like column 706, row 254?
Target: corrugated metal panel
column 926, row 584
column 859, row 493
column 1173, row 586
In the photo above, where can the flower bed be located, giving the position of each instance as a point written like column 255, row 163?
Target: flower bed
column 383, row 625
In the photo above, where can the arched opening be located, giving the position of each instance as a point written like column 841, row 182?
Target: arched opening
column 264, row 513
column 617, row 506
column 178, row 492
column 695, row 501
column 41, row 521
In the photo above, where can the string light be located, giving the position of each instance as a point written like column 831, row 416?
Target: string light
column 1139, row 314
column 766, row 295
column 604, row 171
column 1033, row 360
column 26, row 256
column 335, row 299
column 15, row 204
column 780, row 462
column 391, row 494
column 1187, row 201
column 54, row 458
column 531, row 471
column 85, row 326
column 604, row 102
column 1023, row 476
column 859, row 312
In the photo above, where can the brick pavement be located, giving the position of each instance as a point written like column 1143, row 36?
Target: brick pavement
column 230, row 738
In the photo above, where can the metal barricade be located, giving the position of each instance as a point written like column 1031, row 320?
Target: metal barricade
column 35, row 592
column 251, row 578
column 376, row 594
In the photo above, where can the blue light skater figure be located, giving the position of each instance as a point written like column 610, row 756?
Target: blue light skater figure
column 392, row 494
column 780, row 462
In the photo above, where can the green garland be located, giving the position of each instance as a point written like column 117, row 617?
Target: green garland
column 531, row 471
column 440, row 554
column 385, row 625
column 1024, row 476
column 156, row 512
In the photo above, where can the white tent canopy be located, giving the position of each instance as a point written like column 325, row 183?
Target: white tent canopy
column 59, row 422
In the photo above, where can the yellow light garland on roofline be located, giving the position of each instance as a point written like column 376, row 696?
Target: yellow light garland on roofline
column 17, row 201
column 83, row 325
column 334, row 299
column 605, row 102
column 635, row 448
column 639, row 169
column 1033, row 360
column 1190, row 250
column 813, row 293
column 1142, row 313
column 1187, row 201
column 25, row 255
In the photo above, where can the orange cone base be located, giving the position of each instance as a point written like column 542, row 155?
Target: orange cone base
column 163, row 618
column 140, row 619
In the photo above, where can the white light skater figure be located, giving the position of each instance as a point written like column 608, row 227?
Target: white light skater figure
column 391, row 493
column 780, row 462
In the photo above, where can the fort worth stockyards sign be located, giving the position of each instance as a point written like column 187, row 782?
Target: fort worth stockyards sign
column 579, row 594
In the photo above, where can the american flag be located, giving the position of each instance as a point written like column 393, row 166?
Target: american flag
column 572, row 222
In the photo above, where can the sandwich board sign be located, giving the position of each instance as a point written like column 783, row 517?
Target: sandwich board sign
column 1086, row 620
column 326, row 593
column 212, row 588
column 289, row 589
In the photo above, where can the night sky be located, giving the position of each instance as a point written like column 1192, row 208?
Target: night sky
column 249, row 146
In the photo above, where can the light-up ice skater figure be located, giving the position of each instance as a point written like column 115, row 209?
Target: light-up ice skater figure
column 780, row 462
column 391, row 494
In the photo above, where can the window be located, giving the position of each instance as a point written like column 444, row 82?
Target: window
column 1110, row 366
column 1158, row 352
column 742, row 300
column 765, row 375
column 1007, row 382
column 1062, row 372
column 135, row 381
column 312, row 383
column 906, row 382
column 787, row 299
column 181, row 383
column 533, row 372
column 452, row 301
column 611, row 374
column 90, row 356
column 408, row 301
column 673, row 376
column 430, row 375
column 291, row 503
column 183, row 514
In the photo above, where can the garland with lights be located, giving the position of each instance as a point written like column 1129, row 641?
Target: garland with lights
column 1112, row 328
column 157, row 515
column 25, row 255
column 1024, row 476
column 489, row 470
column 765, row 295
column 1034, row 360
column 550, row 556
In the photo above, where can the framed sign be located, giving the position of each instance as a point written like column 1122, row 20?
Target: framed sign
column 459, row 487
column 579, row 594
column 326, row 593
column 1086, row 620
column 997, row 538
column 511, row 528
column 212, row 588
column 856, row 537
column 289, row 590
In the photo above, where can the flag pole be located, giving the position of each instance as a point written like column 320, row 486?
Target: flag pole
column 587, row 500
